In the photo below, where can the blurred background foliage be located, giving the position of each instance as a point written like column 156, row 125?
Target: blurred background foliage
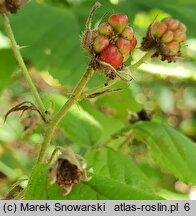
column 49, row 32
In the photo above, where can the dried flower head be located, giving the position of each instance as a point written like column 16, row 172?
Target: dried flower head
column 166, row 37
column 69, row 170
column 11, row 6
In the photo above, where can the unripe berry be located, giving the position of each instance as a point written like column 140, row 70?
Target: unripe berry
column 123, row 45
column 179, row 36
column 172, row 23
column 105, row 29
column 127, row 33
column 173, row 47
column 112, row 56
column 118, row 22
column 182, row 27
column 133, row 43
column 126, row 56
column 167, row 37
column 158, row 29
column 100, row 43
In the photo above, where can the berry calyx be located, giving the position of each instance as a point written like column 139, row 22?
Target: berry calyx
column 118, row 22
column 112, row 56
column 100, row 43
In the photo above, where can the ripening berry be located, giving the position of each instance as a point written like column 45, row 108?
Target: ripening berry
column 100, row 43
column 182, row 27
column 179, row 36
column 105, row 29
column 112, row 56
column 172, row 23
column 127, row 33
column 173, row 47
column 158, row 29
column 123, row 45
column 133, row 43
column 118, row 22
column 126, row 56
column 167, row 37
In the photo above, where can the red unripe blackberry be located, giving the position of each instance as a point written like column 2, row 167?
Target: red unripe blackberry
column 158, row 29
column 179, row 36
column 118, row 22
column 167, row 37
column 100, row 43
column 133, row 43
column 173, row 47
column 127, row 33
column 171, row 23
column 105, row 29
column 182, row 27
column 112, row 56
column 123, row 45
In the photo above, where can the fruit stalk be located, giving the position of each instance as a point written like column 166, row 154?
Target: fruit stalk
column 18, row 56
column 71, row 101
column 144, row 59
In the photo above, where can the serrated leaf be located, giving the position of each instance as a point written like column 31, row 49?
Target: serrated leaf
column 38, row 183
column 112, row 164
column 78, row 125
column 171, row 150
column 115, row 177
column 103, row 188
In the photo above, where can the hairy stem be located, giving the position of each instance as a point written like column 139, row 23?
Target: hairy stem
column 18, row 56
column 144, row 59
column 71, row 101
column 87, row 93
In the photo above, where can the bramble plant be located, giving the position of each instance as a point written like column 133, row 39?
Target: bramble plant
column 105, row 170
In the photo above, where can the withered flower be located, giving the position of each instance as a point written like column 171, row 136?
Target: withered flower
column 11, row 6
column 69, row 169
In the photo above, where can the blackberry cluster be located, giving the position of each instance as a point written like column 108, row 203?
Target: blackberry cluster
column 166, row 37
column 114, row 41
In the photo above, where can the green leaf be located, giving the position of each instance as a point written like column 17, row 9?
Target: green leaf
column 52, row 38
column 171, row 150
column 78, row 125
column 38, row 183
column 115, row 177
column 7, row 66
column 112, row 164
column 103, row 188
